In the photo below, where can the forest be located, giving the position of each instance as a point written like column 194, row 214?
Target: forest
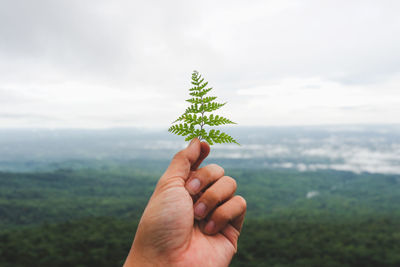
column 88, row 216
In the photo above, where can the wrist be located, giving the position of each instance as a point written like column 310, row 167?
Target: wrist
column 136, row 258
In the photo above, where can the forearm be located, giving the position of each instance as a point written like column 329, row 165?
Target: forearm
column 137, row 260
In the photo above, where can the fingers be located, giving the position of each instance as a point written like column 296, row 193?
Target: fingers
column 203, row 177
column 223, row 211
column 220, row 191
column 238, row 221
column 186, row 160
column 232, row 211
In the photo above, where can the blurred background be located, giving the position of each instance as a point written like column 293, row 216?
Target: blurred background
column 88, row 90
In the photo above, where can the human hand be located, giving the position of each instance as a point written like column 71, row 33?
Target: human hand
column 192, row 218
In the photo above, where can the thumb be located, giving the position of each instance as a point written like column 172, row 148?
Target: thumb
column 183, row 161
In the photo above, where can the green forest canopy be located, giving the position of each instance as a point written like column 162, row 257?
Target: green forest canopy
column 88, row 217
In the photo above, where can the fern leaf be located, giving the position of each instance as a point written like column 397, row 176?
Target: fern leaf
column 194, row 100
column 209, row 99
column 218, row 120
column 193, row 109
column 192, row 122
column 190, row 119
column 209, row 107
column 181, row 129
column 221, row 137
column 203, row 85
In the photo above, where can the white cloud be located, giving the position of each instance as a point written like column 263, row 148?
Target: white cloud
column 128, row 63
column 312, row 194
column 317, row 101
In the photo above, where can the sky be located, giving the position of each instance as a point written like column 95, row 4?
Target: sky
column 100, row 64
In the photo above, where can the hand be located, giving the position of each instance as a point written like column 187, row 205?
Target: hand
column 192, row 218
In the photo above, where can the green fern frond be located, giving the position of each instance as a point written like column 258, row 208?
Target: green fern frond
column 190, row 119
column 209, row 107
column 203, row 85
column 195, row 115
column 221, row 137
column 194, row 100
column 200, row 93
column 193, row 109
column 182, row 129
column 205, row 100
column 217, row 120
column 208, row 99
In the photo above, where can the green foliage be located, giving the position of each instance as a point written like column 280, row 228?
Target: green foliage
column 28, row 199
column 95, row 241
column 88, row 217
column 367, row 242
column 194, row 119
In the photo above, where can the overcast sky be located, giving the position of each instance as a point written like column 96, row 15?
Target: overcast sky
column 128, row 63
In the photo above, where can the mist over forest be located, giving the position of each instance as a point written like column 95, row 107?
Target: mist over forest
column 359, row 148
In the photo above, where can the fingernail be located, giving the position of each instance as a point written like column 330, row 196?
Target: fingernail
column 193, row 185
column 200, row 209
column 210, row 227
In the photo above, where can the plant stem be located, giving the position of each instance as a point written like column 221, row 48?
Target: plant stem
column 202, row 117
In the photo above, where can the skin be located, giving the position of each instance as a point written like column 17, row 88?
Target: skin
column 176, row 229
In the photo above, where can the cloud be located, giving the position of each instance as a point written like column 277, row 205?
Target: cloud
column 23, row 116
column 282, row 58
column 317, row 101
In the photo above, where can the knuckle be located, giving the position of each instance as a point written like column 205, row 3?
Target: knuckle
column 206, row 172
column 242, row 202
column 213, row 170
column 223, row 215
column 212, row 196
column 231, row 181
column 182, row 159
column 178, row 156
column 218, row 169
